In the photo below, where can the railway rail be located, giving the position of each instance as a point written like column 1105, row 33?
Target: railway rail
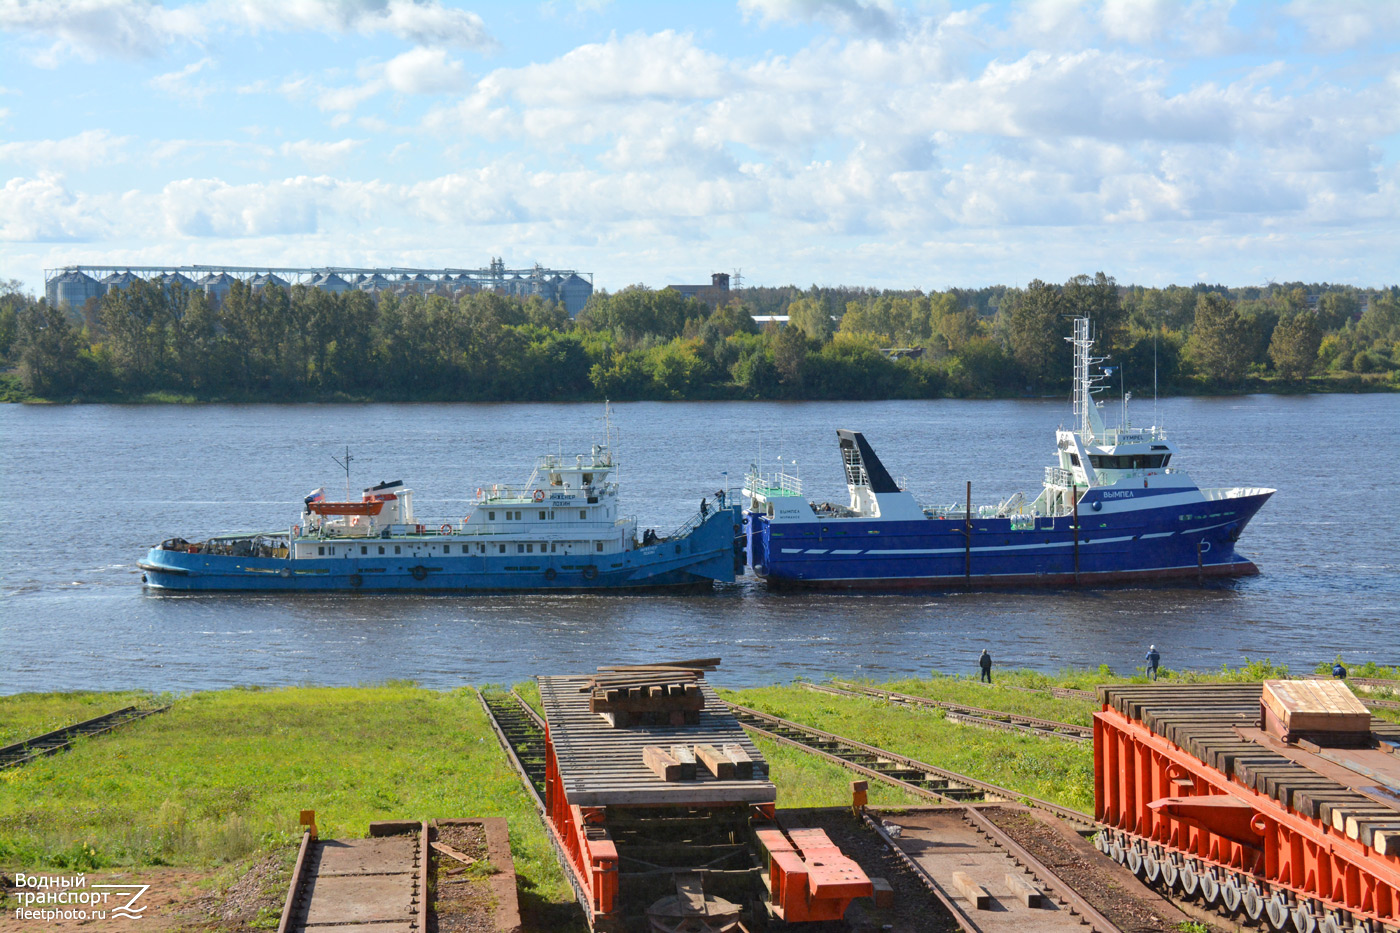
column 916, row 777
column 973, row 715
column 12, row 756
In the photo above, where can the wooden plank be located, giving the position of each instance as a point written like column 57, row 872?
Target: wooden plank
column 1023, row 890
column 447, row 850
column 661, row 763
column 976, row 895
column 716, row 761
column 690, row 893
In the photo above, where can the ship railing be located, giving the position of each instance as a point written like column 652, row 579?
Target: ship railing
column 773, row 484
column 1059, row 476
column 525, row 494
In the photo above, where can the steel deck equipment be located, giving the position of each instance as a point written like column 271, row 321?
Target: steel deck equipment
column 1277, row 802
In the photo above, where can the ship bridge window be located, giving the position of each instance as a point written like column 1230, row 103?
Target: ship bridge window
column 490, row 516
column 588, row 479
column 555, row 479
column 1129, row 461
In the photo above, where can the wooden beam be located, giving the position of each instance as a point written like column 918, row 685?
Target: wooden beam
column 686, row 758
column 976, row 895
column 1023, row 890
column 716, row 761
column 661, row 763
column 743, row 764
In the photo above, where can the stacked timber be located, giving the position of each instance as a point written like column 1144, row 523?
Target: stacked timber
column 666, row 694
column 1354, row 788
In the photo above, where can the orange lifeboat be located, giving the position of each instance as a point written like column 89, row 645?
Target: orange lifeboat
column 345, row 508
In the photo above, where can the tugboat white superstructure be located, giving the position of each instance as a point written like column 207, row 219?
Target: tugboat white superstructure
column 561, row 529
column 1111, row 510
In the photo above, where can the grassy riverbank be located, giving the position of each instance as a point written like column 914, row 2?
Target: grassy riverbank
column 215, row 784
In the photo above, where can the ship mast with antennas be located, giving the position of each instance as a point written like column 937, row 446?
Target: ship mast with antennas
column 1087, row 379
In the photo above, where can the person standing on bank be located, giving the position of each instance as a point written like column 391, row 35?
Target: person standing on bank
column 1339, row 672
column 985, row 663
column 1153, row 660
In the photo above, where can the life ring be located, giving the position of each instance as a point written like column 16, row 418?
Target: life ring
column 539, row 495
column 296, row 531
column 550, row 573
column 356, row 580
column 479, row 493
column 419, row 573
column 590, row 572
column 285, row 573
column 445, row 530
column 354, row 520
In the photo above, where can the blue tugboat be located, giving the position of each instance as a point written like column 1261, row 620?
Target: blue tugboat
column 1112, row 510
column 559, row 530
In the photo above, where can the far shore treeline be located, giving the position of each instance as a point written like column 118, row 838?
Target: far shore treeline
column 157, row 342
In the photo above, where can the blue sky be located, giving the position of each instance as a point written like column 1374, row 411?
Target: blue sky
column 857, row 142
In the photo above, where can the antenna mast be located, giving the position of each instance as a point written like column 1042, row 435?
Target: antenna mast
column 346, row 467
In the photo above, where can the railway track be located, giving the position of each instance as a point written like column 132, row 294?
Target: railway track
column 521, row 733
column 973, row 715
column 963, row 841
column 917, row 777
column 355, row 883
column 520, row 730
column 12, row 756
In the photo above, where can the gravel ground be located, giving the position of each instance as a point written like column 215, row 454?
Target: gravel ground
column 464, row 903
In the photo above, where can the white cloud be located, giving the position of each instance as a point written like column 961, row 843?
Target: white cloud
column 321, row 155
column 95, row 28
column 177, row 83
column 43, row 209
column 865, row 17
column 85, row 150
column 424, row 71
column 1344, row 24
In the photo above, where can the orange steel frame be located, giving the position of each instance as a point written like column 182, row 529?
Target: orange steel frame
column 811, row 879
column 1149, row 787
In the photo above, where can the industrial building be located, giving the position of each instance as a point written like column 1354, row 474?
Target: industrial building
column 715, row 294
column 74, row 285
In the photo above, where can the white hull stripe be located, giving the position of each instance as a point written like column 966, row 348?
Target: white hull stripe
column 905, row 552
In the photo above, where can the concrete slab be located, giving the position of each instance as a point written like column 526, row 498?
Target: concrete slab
column 359, row 899
column 366, row 856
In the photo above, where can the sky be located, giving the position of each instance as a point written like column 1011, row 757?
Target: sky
column 833, row 142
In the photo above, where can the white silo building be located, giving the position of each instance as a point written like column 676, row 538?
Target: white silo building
column 216, row 286
column 575, row 292
column 260, row 282
column 72, row 289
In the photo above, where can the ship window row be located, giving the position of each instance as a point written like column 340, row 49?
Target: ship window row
column 551, row 548
column 1126, row 461
column 513, row 515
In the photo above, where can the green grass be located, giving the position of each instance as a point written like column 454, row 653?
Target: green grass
column 1051, row 769
column 223, row 775
column 968, row 691
column 25, row 715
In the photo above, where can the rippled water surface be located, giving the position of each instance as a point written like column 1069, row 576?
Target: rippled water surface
column 89, row 488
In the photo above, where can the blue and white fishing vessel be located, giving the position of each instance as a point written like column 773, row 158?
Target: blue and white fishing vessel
column 1113, row 509
column 561, row 529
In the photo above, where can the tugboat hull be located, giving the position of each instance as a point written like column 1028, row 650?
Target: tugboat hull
column 701, row 557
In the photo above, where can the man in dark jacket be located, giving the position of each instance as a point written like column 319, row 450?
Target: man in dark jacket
column 1338, row 671
column 985, row 662
column 1153, row 660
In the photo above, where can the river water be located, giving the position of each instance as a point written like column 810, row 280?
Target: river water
column 89, row 488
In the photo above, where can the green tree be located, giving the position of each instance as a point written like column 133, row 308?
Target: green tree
column 49, row 361
column 1294, row 345
column 1097, row 299
column 809, row 315
column 1218, row 344
column 1036, row 327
